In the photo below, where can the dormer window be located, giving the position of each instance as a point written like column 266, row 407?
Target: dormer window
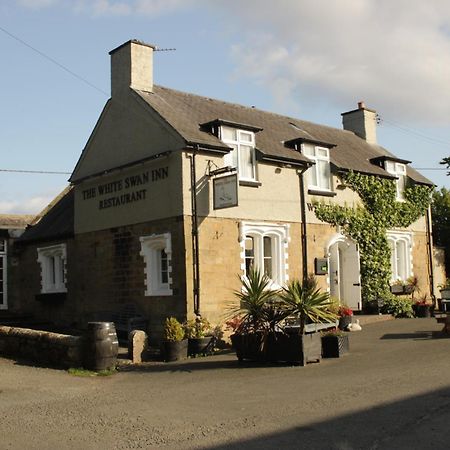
column 319, row 175
column 399, row 170
column 242, row 155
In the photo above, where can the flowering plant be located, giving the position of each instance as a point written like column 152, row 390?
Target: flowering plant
column 333, row 332
column 345, row 311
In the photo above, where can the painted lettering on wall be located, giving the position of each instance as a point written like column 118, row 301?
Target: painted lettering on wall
column 129, row 183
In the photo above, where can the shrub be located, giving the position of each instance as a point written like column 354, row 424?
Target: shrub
column 398, row 306
column 173, row 330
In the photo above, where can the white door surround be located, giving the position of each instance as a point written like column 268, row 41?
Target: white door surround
column 343, row 271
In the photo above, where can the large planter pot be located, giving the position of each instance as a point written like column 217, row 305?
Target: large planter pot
column 174, row 350
column 335, row 346
column 288, row 347
column 422, row 310
column 345, row 321
column 398, row 289
column 200, row 346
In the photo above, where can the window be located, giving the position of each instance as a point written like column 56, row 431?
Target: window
column 3, row 268
column 401, row 256
column 319, row 175
column 264, row 246
column 243, row 154
column 53, row 268
column 157, row 253
column 399, row 170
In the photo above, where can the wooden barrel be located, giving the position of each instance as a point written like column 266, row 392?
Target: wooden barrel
column 101, row 346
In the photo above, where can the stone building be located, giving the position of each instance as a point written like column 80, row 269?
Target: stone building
column 175, row 195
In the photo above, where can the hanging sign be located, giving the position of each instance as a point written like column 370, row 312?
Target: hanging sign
column 225, row 191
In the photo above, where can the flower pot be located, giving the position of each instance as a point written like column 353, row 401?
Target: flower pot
column 335, row 346
column 422, row 310
column 345, row 321
column 398, row 289
column 445, row 294
column 174, row 350
column 200, row 346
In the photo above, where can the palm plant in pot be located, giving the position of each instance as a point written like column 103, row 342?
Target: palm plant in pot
column 174, row 345
column 307, row 303
column 200, row 336
column 255, row 319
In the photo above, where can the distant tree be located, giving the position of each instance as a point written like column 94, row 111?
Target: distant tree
column 440, row 208
column 446, row 161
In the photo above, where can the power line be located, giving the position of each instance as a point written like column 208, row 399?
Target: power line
column 408, row 130
column 53, row 61
column 35, row 171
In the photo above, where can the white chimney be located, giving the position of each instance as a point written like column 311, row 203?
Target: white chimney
column 131, row 66
column 362, row 121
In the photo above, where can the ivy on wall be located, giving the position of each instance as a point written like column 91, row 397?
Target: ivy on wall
column 367, row 224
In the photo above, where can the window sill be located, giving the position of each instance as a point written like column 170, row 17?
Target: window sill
column 322, row 193
column 53, row 297
column 161, row 293
column 249, row 183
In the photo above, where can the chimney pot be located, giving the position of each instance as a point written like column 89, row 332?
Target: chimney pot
column 361, row 105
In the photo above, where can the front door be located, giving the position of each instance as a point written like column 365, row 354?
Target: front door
column 3, row 299
column 345, row 280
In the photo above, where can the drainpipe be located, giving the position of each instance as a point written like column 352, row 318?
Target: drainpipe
column 303, row 225
column 195, row 254
column 430, row 254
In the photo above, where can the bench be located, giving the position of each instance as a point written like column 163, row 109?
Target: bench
column 126, row 319
column 129, row 319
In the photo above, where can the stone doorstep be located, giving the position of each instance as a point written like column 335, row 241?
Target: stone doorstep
column 365, row 319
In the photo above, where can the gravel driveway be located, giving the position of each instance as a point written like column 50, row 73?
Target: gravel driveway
column 391, row 392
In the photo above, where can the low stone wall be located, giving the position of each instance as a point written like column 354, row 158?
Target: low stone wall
column 41, row 347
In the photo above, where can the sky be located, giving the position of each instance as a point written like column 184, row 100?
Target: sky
column 311, row 59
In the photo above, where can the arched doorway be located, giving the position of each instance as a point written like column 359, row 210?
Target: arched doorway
column 344, row 275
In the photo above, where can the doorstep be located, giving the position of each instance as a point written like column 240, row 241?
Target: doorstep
column 365, row 319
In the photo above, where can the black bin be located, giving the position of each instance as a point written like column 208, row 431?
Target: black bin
column 101, row 346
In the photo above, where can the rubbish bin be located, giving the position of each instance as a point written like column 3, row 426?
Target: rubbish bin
column 101, row 346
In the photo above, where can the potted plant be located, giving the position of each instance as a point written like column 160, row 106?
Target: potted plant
column 345, row 315
column 445, row 289
column 335, row 343
column 397, row 287
column 423, row 307
column 200, row 336
column 412, row 286
column 307, row 303
column 255, row 320
column 174, row 345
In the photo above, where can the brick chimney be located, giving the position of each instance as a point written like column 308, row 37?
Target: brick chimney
column 362, row 121
column 131, row 66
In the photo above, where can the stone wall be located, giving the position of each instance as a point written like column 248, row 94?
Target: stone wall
column 41, row 347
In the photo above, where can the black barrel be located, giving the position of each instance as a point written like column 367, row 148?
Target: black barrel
column 101, row 346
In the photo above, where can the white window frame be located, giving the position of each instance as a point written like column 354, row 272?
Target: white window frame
column 280, row 242
column 394, row 238
column 238, row 142
column 53, row 261
column 399, row 171
column 322, row 184
column 151, row 247
column 4, row 257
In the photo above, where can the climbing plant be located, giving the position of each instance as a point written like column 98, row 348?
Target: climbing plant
column 367, row 224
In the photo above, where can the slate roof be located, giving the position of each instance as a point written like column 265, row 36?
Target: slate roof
column 55, row 222
column 186, row 112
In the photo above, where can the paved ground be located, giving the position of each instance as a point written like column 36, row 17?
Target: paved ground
column 391, row 392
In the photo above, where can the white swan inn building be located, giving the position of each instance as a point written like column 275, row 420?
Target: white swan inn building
column 175, row 195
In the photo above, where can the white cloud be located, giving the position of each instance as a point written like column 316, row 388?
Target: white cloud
column 31, row 205
column 393, row 55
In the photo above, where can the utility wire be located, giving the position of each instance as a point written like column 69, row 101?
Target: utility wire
column 53, row 61
column 35, row 171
